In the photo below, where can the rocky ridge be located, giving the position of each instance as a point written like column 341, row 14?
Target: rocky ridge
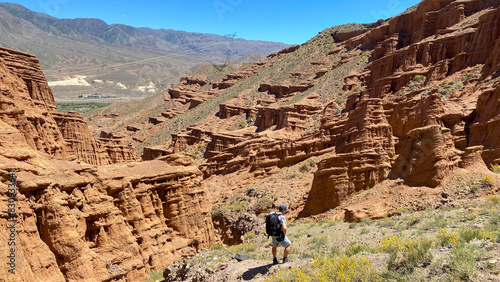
column 85, row 209
column 417, row 92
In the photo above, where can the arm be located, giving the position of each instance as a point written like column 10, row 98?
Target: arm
column 283, row 227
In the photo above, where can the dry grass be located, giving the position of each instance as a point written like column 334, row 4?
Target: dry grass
column 452, row 244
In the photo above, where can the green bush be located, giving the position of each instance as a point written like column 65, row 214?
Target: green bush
column 263, row 205
column 409, row 255
column 495, row 168
column 154, row 275
column 419, row 78
column 463, row 259
column 355, row 248
column 487, row 181
column 341, row 269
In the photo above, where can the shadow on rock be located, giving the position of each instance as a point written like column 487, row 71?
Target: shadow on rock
column 252, row 272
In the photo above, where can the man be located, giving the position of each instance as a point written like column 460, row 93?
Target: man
column 280, row 241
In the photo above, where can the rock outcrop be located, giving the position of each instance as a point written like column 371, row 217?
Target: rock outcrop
column 427, row 94
column 74, row 220
column 27, row 103
column 412, row 52
column 408, row 99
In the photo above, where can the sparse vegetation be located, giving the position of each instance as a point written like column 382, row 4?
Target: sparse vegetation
column 416, row 83
column 154, row 275
column 487, row 181
column 341, row 268
column 495, row 168
column 83, row 107
column 436, row 245
column 307, row 165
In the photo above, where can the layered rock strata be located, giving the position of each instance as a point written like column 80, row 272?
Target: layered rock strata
column 74, row 221
column 27, row 103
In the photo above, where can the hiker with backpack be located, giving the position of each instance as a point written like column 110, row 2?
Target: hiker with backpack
column 276, row 229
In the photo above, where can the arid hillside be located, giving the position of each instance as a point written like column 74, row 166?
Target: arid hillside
column 362, row 122
column 411, row 99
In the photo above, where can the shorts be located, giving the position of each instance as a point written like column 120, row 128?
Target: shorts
column 285, row 243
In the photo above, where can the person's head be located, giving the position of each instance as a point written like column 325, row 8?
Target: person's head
column 283, row 208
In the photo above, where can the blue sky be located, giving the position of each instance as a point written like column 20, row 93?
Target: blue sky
column 288, row 21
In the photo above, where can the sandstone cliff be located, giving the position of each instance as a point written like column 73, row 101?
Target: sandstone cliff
column 76, row 221
column 403, row 98
column 27, row 103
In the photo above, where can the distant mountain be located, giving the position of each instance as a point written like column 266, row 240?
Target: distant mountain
column 115, row 59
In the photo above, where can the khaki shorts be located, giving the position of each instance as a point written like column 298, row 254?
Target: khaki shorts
column 285, row 243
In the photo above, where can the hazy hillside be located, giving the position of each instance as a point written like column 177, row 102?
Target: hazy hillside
column 87, row 56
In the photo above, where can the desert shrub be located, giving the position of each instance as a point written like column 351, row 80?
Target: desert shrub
column 154, row 275
column 463, row 259
column 318, row 245
column 392, row 243
column 409, row 255
column 290, row 275
column 341, row 268
column 263, row 205
column 304, row 167
column 292, row 176
column 248, row 235
column 495, row 168
column 245, row 248
column 437, row 221
column 242, row 124
column 468, row 234
column 446, row 237
column 307, row 165
column 487, row 181
column 493, row 201
column 419, row 78
column 355, row 248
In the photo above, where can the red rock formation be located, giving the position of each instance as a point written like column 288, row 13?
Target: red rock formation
column 79, row 140
column 187, row 88
column 157, row 120
column 401, row 124
column 485, row 130
column 429, row 41
column 26, row 102
column 364, row 147
column 427, row 156
column 27, row 67
column 101, row 223
column 118, row 152
column 77, row 221
column 151, row 153
column 282, row 91
column 227, row 111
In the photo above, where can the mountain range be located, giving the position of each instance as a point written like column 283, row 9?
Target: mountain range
column 115, row 59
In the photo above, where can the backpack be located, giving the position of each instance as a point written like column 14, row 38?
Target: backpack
column 273, row 226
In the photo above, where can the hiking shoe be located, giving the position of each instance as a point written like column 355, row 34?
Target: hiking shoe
column 275, row 261
column 285, row 260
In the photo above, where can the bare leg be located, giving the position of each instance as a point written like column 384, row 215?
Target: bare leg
column 274, row 251
column 287, row 251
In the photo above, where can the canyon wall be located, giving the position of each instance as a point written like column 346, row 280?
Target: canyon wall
column 416, row 57
column 27, row 103
column 75, row 221
column 426, row 94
